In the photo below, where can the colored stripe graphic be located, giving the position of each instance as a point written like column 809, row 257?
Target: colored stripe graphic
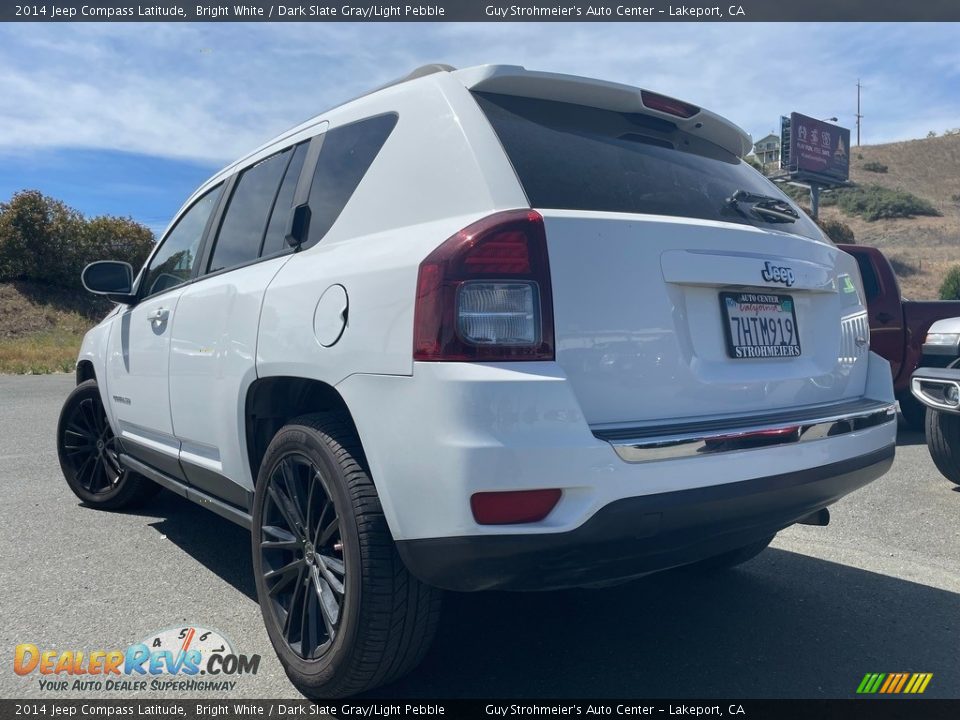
column 894, row 683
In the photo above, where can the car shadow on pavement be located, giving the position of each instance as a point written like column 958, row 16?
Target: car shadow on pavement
column 908, row 436
column 783, row 625
column 219, row 545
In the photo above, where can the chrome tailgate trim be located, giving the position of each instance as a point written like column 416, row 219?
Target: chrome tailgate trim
column 690, row 439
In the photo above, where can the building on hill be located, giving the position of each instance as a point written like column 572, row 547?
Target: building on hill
column 767, row 152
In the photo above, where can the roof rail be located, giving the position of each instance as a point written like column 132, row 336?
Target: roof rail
column 419, row 72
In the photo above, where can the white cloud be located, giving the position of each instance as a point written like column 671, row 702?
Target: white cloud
column 211, row 92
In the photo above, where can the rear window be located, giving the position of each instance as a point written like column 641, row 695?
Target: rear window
column 576, row 157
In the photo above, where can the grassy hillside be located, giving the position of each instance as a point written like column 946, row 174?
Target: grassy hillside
column 41, row 327
column 922, row 248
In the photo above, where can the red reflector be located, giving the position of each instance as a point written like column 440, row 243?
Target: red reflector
column 778, row 432
column 515, row 506
column 668, row 105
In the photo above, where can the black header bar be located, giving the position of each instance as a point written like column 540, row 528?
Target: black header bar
column 637, row 11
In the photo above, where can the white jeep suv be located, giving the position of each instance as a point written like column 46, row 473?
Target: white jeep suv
column 480, row 329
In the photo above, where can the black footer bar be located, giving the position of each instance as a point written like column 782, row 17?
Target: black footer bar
column 380, row 709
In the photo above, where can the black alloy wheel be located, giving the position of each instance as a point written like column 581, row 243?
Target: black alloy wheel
column 91, row 448
column 341, row 609
column 302, row 556
column 89, row 454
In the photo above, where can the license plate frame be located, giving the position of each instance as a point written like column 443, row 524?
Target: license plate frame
column 778, row 328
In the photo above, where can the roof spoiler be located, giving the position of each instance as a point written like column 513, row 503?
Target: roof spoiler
column 516, row 80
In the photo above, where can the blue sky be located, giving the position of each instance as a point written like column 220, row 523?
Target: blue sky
column 127, row 119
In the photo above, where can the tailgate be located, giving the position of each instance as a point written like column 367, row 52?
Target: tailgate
column 659, row 318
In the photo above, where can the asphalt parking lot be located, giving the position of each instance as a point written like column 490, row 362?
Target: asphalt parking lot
column 876, row 591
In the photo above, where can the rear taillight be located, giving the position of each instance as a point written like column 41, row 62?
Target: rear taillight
column 485, row 294
column 668, row 105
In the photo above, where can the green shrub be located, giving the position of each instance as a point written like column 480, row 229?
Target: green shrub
column 874, row 202
column 798, row 193
column 837, row 231
column 43, row 240
column 950, row 289
column 874, row 166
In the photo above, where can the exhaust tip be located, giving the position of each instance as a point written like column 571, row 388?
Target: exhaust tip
column 820, row 518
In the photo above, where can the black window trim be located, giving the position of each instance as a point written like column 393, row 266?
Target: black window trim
column 209, row 241
column 210, row 245
column 227, row 185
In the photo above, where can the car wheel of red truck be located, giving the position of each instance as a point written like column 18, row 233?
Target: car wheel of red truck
column 943, row 441
column 913, row 411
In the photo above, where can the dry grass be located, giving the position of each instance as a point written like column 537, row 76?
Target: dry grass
column 41, row 328
column 40, row 353
column 930, row 169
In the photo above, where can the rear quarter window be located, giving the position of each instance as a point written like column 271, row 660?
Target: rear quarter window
column 576, row 157
column 347, row 153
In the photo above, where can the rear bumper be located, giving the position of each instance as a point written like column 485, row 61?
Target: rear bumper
column 638, row 535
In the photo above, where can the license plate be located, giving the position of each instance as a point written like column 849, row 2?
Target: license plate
column 760, row 325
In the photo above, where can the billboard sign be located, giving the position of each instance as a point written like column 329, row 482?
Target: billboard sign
column 817, row 148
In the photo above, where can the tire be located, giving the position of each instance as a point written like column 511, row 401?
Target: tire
column 943, row 442
column 89, row 454
column 384, row 619
column 731, row 558
column 914, row 412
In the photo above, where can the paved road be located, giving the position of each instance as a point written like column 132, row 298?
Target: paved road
column 876, row 591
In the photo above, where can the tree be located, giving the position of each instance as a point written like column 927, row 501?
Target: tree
column 43, row 240
column 950, row 289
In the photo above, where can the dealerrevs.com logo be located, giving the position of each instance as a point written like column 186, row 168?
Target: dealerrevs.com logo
column 191, row 659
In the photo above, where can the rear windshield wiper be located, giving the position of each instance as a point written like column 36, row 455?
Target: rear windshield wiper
column 767, row 207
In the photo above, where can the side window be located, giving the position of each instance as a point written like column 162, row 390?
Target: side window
column 245, row 221
column 345, row 156
column 173, row 263
column 871, row 287
column 275, row 242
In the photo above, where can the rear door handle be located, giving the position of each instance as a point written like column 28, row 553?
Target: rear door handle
column 884, row 317
column 159, row 315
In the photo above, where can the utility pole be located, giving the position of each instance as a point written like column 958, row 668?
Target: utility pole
column 859, row 116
